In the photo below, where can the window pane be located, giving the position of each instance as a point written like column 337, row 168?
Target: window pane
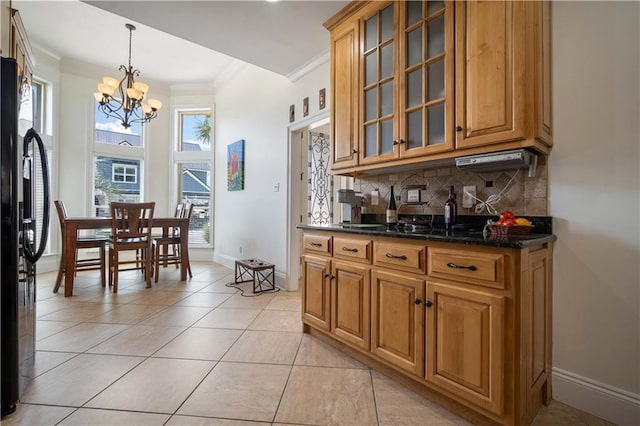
column 386, row 20
column 37, row 94
column 386, row 136
column 435, row 75
column 436, row 124
column 195, row 131
column 115, row 179
column 370, row 104
column 386, row 98
column 110, row 131
column 434, row 6
column 435, row 41
column 414, row 88
column 414, row 47
column 371, row 68
column 195, row 186
column 370, row 140
column 414, row 12
column 386, row 54
column 371, row 32
column 414, row 130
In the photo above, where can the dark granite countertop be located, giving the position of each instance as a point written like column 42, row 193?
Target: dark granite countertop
column 471, row 237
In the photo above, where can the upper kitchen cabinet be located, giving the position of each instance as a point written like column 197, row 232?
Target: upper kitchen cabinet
column 429, row 80
column 21, row 49
column 503, row 73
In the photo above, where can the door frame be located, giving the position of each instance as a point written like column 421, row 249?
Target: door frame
column 294, row 195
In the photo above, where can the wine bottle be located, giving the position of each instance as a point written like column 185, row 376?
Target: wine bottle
column 450, row 209
column 392, row 211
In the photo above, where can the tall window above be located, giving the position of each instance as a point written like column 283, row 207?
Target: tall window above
column 37, row 94
column 110, row 131
column 194, row 130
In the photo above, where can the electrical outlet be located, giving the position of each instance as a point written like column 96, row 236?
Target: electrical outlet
column 468, row 194
column 375, row 197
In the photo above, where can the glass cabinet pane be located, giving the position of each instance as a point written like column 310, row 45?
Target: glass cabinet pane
column 386, row 21
column 436, row 124
column 435, row 77
column 386, row 136
column 371, row 68
column 414, row 12
column 370, row 140
column 386, row 98
column 414, row 88
column 371, row 104
column 386, row 57
column 435, row 36
column 434, row 6
column 371, row 32
column 414, row 47
column 414, row 129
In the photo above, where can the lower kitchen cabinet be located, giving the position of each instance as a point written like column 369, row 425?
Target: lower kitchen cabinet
column 397, row 320
column 465, row 353
column 316, row 292
column 350, row 303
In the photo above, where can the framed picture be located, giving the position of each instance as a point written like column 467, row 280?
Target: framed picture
column 235, row 166
column 292, row 113
column 321, row 99
column 305, row 106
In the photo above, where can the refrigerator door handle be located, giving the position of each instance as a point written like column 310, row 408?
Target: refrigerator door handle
column 29, row 255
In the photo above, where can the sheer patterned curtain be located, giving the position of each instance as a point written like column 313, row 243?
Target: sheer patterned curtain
column 320, row 182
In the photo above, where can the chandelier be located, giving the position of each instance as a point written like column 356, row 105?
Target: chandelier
column 126, row 105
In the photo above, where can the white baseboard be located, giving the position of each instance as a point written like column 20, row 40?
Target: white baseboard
column 610, row 403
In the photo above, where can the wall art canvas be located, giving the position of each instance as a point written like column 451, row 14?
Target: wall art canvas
column 235, row 166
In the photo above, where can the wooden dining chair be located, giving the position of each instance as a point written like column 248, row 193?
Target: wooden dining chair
column 166, row 248
column 131, row 225
column 83, row 242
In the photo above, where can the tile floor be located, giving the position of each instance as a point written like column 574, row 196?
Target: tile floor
column 198, row 353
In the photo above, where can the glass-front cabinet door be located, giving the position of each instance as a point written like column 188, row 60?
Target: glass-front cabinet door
column 427, row 62
column 378, row 82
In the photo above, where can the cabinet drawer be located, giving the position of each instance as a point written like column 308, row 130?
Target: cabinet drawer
column 405, row 257
column 320, row 244
column 468, row 266
column 352, row 249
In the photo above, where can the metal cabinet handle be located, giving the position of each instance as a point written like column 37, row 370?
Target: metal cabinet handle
column 455, row 266
column 355, row 151
column 428, row 303
column 316, row 244
column 392, row 256
column 458, row 128
column 331, row 277
column 354, row 250
column 417, row 301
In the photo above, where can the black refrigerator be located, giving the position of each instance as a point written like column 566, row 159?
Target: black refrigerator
column 24, row 227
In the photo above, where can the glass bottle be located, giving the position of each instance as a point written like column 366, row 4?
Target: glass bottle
column 392, row 211
column 450, row 209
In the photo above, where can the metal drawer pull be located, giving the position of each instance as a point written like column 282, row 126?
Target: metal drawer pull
column 316, row 244
column 391, row 256
column 355, row 250
column 329, row 276
column 453, row 265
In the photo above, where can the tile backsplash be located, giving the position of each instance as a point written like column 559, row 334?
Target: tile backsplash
column 519, row 193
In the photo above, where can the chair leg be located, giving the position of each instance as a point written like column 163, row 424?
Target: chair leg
column 60, row 273
column 146, row 257
column 102, row 259
column 115, row 273
column 156, row 260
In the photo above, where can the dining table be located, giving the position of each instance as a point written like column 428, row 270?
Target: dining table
column 72, row 225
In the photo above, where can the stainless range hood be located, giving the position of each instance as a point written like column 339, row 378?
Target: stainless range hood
column 499, row 161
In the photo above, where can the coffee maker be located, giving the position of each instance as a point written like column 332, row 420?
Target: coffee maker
column 350, row 205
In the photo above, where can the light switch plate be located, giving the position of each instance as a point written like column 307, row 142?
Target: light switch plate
column 375, row 197
column 468, row 192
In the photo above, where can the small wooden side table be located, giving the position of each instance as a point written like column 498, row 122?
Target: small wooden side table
column 261, row 273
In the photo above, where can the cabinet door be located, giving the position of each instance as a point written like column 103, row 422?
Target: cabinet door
column 377, row 83
column 316, row 291
column 397, row 320
column 344, row 94
column 351, row 304
column 427, row 71
column 465, row 344
column 490, row 78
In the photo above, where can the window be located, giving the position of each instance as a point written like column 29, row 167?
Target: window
column 194, row 170
column 110, row 131
column 124, row 173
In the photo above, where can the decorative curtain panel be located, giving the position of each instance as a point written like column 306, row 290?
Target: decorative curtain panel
column 320, row 181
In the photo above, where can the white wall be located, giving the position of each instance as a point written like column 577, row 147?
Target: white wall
column 595, row 202
column 254, row 106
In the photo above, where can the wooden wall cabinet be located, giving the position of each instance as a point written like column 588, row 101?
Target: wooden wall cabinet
column 419, row 81
column 21, row 50
column 479, row 336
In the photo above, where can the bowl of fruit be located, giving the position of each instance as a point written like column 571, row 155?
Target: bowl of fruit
column 508, row 224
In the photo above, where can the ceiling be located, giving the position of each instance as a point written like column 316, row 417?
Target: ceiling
column 181, row 42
